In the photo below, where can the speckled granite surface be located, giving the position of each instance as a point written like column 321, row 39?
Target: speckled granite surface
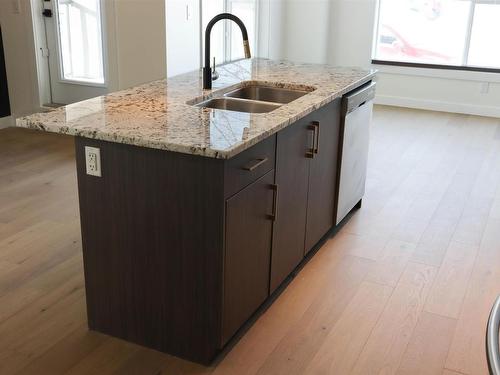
column 156, row 115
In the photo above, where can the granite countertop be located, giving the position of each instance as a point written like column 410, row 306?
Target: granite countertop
column 156, row 115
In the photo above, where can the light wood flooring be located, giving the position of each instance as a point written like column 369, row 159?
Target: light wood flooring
column 404, row 288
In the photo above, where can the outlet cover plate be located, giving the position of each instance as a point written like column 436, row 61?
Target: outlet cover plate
column 93, row 161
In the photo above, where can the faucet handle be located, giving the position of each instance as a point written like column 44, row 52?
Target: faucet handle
column 215, row 74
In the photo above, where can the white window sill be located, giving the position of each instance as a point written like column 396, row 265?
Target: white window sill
column 461, row 75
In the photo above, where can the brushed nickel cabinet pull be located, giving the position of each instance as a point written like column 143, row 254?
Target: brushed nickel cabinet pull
column 274, row 215
column 316, row 146
column 256, row 165
column 311, row 153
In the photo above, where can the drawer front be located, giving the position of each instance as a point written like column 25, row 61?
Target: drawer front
column 249, row 166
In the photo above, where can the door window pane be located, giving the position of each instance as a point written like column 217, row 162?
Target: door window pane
column 80, row 39
column 484, row 46
column 423, row 31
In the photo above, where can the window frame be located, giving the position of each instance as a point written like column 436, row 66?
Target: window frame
column 465, row 59
column 61, row 74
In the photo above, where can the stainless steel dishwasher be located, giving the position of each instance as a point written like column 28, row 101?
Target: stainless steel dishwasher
column 357, row 108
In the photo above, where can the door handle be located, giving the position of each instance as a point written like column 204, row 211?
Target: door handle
column 47, row 13
column 311, row 153
column 316, row 146
column 274, row 215
column 492, row 346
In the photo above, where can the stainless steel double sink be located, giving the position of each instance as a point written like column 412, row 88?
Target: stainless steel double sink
column 255, row 98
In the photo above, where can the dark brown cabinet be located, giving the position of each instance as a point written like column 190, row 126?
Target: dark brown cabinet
column 306, row 170
column 180, row 250
column 248, row 252
column 292, row 170
column 323, row 174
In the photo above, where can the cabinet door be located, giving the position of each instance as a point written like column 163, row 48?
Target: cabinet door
column 292, row 170
column 248, row 252
column 323, row 173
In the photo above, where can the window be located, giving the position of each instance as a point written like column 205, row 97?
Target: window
column 452, row 33
column 80, row 40
column 226, row 39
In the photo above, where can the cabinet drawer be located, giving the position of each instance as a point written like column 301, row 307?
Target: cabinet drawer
column 249, row 166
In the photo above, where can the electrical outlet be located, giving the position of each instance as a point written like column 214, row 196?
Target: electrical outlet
column 93, row 161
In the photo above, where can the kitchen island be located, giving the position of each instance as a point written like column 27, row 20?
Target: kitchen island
column 197, row 215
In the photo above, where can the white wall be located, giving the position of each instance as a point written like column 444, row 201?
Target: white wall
column 461, row 93
column 19, row 58
column 352, row 24
column 183, row 36
column 338, row 32
column 136, row 41
column 306, row 28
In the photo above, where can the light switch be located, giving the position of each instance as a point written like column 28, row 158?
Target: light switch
column 16, row 6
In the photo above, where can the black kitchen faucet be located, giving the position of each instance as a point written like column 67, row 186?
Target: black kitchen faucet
column 207, row 70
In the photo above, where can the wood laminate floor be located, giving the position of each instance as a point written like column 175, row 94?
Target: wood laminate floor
column 404, row 288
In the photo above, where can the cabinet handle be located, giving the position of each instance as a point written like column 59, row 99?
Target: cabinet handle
column 316, row 147
column 311, row 153
column 492, row 348
column 274, row 215
column 256, row 165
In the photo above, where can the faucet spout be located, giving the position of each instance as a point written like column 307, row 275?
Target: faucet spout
column 207, row 70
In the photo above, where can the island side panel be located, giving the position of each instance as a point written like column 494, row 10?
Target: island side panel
column 152, row 229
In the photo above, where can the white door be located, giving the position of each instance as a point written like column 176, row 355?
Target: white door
column 76, row 49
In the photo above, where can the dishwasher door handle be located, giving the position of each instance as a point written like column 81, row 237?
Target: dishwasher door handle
column 492, row 345
column 360, row 97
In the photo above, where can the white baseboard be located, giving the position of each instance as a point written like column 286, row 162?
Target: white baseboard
column 434, row 105
column 6, row 122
